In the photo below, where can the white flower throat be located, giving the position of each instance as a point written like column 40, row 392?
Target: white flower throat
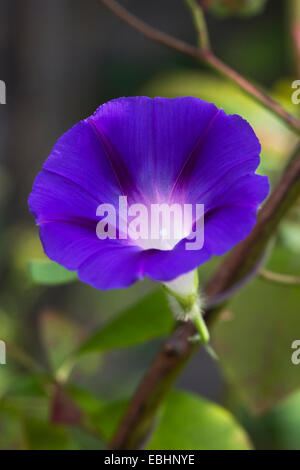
column 153, row 226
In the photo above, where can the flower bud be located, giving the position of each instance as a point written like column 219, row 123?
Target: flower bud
column 186, row 302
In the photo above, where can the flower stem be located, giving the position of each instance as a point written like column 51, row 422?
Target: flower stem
column 203, row 335
column 200, row 23
column 177, row 349
column 283, row 279
column 207, row 57
column 200, row 324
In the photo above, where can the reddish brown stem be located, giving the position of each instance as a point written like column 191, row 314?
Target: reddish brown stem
column 205, row 56
column 177, row 349
column 141, row 412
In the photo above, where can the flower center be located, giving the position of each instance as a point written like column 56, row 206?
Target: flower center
column 167, row 225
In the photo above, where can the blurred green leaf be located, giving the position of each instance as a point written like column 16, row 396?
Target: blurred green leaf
column 103, row 415
column 84, row 398
column 80, row 439
column 50, row 273
column 109, row 417
column 26, row 385
column 254, row 344
column 150, row 318
column 283, row 423
column 25, row 406
column 8, row 328
column 40, row 435
column 290, row 233
column 189, row 422
column 60, row 336
column 279, row 428
column 7, row 378
column 10, row 431
column 237, row 7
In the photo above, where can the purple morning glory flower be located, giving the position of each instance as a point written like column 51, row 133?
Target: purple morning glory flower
column 153, row 151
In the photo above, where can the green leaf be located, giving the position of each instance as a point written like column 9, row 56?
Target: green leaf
column 109, row 417
column 25, row 386
column 279, row 428
column 60, row 336
column 237, row 7
column 189, row 422
column 254, row 344
column 290, row 233
column 80, row 439
column 148, row 319
column 26, row 397
column 40, row 435
column 86, row 400
column 105, row 416
column 10, row 431
column 50, row 273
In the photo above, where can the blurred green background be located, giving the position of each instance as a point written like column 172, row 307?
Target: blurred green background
column 60, row 60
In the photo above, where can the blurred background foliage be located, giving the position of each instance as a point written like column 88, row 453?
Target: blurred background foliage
column 74, row 354
column 234, row 7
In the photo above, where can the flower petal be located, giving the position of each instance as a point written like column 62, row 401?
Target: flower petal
column 79, row 158
column 105, row 264
column 154, row 137
column 114, row 266
column 230, row 221
column 56, row 198
column 229, row 150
